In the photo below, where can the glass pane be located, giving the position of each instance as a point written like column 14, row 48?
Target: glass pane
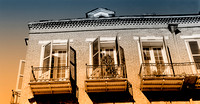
column 159, row 61
column 47, row 50
column 146, row 55
column 158, row 55
column 197, row 60
column 95, row 60
column 46, row 65
column 46, row 62
column 194, row 47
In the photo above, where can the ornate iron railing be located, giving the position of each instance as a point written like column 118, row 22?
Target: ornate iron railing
column 168, row 69
column 105, row 71
column 15, row 97
column 42, row 74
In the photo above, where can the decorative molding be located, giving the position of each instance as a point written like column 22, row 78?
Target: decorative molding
column 102, row 39
column 150, row 37
column 193, row 36
column 55, row 41
column 115, row 21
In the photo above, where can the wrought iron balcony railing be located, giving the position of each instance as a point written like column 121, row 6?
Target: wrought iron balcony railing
column 168, row 69
column 105, row 71
column 15, row 97
column 43, row 74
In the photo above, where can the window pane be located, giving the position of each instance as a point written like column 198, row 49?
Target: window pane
column 95, row 60
column 194, row 47
column 146, row 54
column 197, row 60
column 158, row 55
column 47, row 50
column 46, row 62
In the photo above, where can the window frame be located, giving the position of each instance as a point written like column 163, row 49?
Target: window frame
column 112, row 40
column 164, row 50
column 165, row 53
column 52, row 42
column 190, row 52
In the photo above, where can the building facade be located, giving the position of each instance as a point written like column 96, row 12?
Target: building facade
column 104, row 59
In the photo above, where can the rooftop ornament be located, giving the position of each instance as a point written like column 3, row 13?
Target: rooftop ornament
column 100, row 13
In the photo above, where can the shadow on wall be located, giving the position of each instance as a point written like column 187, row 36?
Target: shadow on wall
column 185, row 95
column 56, row 99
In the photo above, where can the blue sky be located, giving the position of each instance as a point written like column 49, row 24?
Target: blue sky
column 56, row 9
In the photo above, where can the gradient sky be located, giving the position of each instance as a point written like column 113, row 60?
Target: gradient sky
column 15, row 14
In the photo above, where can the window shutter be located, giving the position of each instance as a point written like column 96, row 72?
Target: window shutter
column 122, row 55
column 20, row 75
column 68, row 53
column 141, row 49
column 96, row 52
column 166, row 50
column 47, row 55
column 46, row 73
column 72, row 60
column 118, row 51
column 194, row 47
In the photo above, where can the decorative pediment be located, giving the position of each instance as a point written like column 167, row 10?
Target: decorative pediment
column 100, row 12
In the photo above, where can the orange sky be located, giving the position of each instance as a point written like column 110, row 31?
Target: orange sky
column 12, row 50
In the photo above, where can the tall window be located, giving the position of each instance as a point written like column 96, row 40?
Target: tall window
column 107, row 48
column 107, row 58
column 154, row 57
column 57, row 58
column 195, row 52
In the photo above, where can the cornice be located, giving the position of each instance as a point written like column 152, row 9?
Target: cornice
column 116, row 21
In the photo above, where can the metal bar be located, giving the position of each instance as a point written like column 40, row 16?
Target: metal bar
column 149, row 69
column 33, row 73
column 50, row 76
column 106, row 71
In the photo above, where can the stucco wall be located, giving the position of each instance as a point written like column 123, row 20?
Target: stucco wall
column 127, row 42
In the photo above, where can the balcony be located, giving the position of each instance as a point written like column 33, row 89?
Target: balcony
column 162, row 77
column 106, row 78
column 15, row 97
column 52, row 80
column 108, row 83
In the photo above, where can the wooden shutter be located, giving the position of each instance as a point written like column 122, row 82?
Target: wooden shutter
column 122, row 55
column 141, row 49
column 72, row 61
column 47, row 55
column 96, row 51
column 47, row 61
column 117, row 47
column 166, row 50
column 20, row 75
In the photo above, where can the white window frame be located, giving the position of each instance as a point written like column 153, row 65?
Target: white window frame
column 166, row 59
column 43, row 43
column 102, row 39
column 146, row 39
column 190, row 53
